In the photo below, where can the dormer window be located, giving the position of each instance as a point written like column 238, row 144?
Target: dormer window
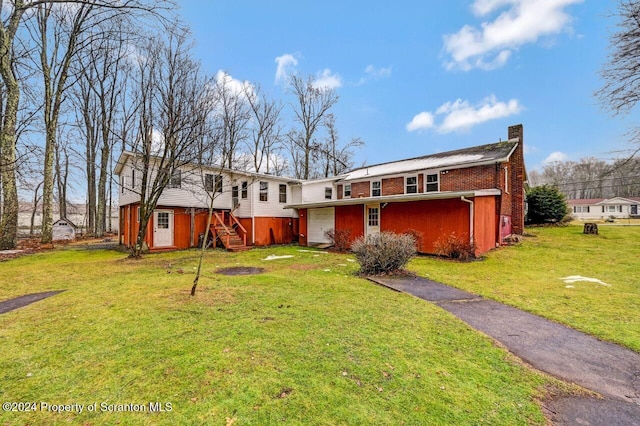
column 376, row 188
column 347, row 191
column 328, row 193
column 433, row 182
column 411, row 185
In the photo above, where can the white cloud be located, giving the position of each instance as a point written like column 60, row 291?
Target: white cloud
column 376, row 73
column 235, row 86
column 326, row 80
column 491, row 45
column 555, row 157
column 462, row 115
column 286, row 66
column 422, row 121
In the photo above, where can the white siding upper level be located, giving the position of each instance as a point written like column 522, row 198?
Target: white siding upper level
column 247, row 194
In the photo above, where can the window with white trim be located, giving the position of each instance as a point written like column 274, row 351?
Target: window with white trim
column 346, row 190
column 411, row 185
column 581, row 209
column 376, row 188
column 264, row 191
column 283, row 193
column 218, row 183
column 432, row 182
column 175, row 181
column 133, row 178
column 208, row 182
column 328, row 193
column 243, row 189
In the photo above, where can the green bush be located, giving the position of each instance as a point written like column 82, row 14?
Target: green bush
column 546, row 205
column 385, row 252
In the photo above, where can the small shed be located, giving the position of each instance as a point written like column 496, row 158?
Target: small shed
column 64, row 230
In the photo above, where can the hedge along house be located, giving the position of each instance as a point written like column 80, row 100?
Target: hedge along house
column 474, row 193
column 248, row 207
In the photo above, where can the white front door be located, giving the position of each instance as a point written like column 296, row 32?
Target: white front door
column 162, row 228
column 372, row 219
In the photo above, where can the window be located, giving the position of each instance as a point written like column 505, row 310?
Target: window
column 581, row 209
column 346, row 190
column 375, row 188
column 208, row 182
column 433, row 185
column 264, row 191
column 175, row 181
column 163, row 220
column 374, row 216
column 245, row 186
column 328, row 193
column 122, row 184
column 133, row 178
column 218, row 183
column 234, row 196
column 283, row 193
column 612, row 209
column 411, row 186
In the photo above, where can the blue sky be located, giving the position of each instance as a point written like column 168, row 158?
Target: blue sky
column 418, row 77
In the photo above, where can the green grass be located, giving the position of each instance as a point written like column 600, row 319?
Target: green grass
column 306, row 342
column 528, row 276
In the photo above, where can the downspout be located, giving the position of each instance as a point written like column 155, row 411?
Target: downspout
column 462, row 198
column 253, row 219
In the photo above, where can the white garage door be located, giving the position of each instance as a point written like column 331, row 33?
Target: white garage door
column 318, row 221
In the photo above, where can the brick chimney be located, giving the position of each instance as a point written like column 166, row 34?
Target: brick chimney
column 517, row 180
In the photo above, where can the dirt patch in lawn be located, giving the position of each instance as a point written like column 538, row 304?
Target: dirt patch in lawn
column 240, row 270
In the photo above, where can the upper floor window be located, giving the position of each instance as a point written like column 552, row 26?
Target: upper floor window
column 433, row 182
column 175, row 181
column 328, row 193
column 208, row 182
column 411, row 185
column 346, row 190
column 244, row 187
column 264, row 191
column 218, row 183
column 283, row 193
column 133, row 178
column 376, row 188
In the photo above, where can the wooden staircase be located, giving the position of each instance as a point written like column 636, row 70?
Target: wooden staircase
column 229, row 232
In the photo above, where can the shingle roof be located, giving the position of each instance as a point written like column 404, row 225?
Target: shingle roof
column 495, row 152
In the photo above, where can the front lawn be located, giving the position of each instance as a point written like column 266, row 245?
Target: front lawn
column 305, row 342
column 530, row 276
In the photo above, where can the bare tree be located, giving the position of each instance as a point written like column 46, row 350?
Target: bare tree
column 621, row 74
column 265, row 129
column 172, row 116
column 233, row 114
column 311, row 105
column 336, row 159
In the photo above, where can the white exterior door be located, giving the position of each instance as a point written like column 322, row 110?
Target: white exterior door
column 162, row 228
column 372, row 219
column 319, row 221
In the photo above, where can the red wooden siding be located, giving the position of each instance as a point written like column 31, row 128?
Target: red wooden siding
column 351, row 218
column 302, row 213
column 430, row 219
column 484, row 224
column 274, row 230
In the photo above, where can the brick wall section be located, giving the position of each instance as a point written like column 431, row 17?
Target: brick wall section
column 360, row 189
column 393, row 186
column 340, row 191
column 517, row 180
column 469, row 179
column 421, row 183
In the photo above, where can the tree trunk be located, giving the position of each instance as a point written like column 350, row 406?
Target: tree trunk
column 9, row 219
column 47, row 189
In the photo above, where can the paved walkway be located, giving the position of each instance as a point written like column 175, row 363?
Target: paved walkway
column 606, row 368
column 27, row 299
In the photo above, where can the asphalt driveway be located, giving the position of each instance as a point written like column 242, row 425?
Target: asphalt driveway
column 603, row 367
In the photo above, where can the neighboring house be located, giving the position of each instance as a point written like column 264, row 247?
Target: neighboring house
column 601, row 208
column 248, row 207
column 76, row 213
column 475, row 193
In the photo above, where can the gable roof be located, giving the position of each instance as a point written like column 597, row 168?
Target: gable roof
column 466, row 157
column 603, row 201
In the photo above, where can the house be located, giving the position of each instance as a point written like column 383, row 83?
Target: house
column 248, row 207
column 601, row 208
column 474, row 193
